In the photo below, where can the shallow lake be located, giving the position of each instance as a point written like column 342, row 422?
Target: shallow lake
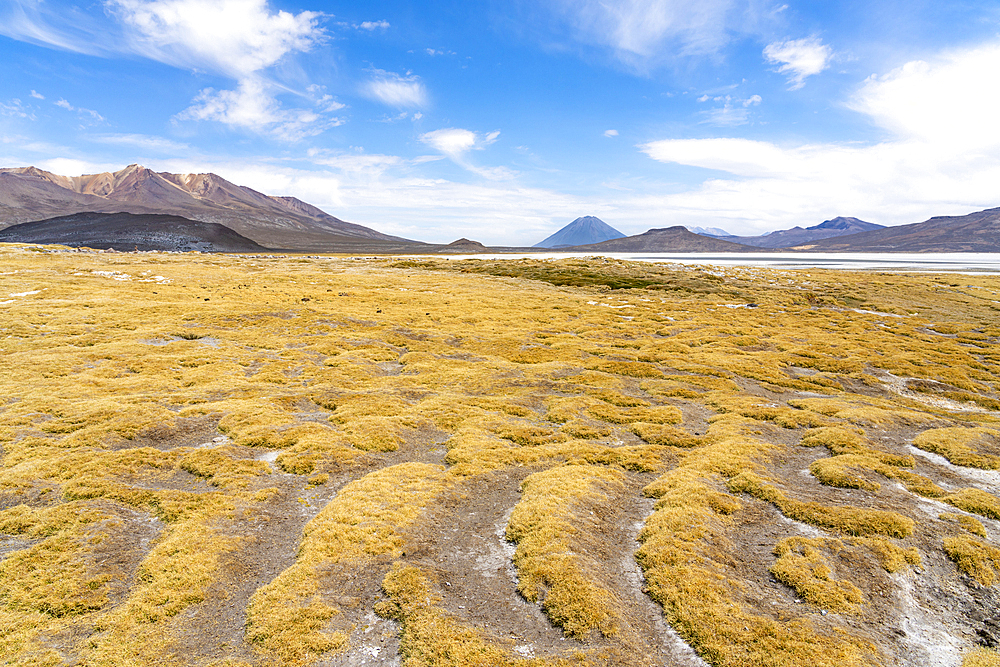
column 954, row 262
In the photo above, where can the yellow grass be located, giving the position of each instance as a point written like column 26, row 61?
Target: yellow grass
column 398, row 379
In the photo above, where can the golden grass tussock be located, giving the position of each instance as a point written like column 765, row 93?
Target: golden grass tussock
column 890, row 555
column 553, row 567
column 846, row 520
column 802, row 565
column 429, row 637
column 969, row 523
column 979, row 560
column 365, row 521
column 963, row 446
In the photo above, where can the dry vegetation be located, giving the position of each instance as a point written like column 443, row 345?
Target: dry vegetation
column 227, row 460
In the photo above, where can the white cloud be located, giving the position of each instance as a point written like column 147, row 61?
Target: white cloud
column 952, row 100
column 611, row 133
column 252, row 106
column 37, row 95
column 396, row 90
column 943, row 156
column 799, row 58
column 16, row 109
column 645, row 32
column 734, row 111
column 456, row 144
column 234, row 37
column 62, row 103
column 373, row 25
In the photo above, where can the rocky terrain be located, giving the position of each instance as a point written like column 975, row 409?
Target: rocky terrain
column 235, row 460
column 128, row 231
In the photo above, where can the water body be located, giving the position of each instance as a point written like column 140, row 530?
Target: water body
column 950, row 262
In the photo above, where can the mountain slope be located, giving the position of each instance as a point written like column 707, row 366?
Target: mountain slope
column 839, row 226
column 587, row 229
column 670, row 239
column 28, row 194
column 976, row 232
column 130, row 231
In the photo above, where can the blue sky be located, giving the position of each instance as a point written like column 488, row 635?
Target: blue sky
column 503, row 121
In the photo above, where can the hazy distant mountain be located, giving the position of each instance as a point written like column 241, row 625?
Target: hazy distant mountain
column 28, row 194
column 130, row 231
column 670, row 239
column 976, row 232
column 709, row 231
column 784, row 238
column 587, row 229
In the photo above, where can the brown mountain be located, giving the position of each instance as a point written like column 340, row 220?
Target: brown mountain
column 130, row 231
column 669, row 239
column 28, row 194
column 976, row 232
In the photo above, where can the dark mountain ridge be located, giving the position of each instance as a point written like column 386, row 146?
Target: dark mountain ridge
column 130, row 231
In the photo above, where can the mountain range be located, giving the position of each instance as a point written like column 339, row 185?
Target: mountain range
column 136, row 206
column 29, row 194
column 786, row 238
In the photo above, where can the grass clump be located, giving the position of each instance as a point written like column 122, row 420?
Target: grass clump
column 962, row 446
column 847, row 520
column 431, row 638
column 802, row 566
column 977, row 559
column 362, row 523
column 661, row 434
column 971, row 524
column 553, row 567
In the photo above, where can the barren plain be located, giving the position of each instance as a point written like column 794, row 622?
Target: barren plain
column 257, row 460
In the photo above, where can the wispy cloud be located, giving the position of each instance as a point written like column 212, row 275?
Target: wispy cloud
column 252, row 106
column 799, row 58
column 396, row 90
column 646, row 32
column 733, row 112
column 16, row 109
column 456, row 144
column 611, row 133
column 63, row 104
column 372, row 25
column 37, row 95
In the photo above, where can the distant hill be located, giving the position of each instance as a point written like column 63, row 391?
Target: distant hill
column 785, row 238
column 670, row 239
column 587, row 229
column 28, row 194
column 976, row 232
column 130, row 231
